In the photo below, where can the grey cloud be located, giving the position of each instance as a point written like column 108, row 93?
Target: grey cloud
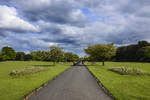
column 11, row 22
column 24, row 43
column 119, row 21
column 62, row 12
column 4, row 33
column 59, row 38
column 132, row 6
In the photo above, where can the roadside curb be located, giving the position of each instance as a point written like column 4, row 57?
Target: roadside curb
column 101, row 85
column 27, row 96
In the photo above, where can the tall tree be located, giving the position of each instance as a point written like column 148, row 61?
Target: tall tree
column 8, row 53
column 100, row 52
column 46, row 56
column 56, row 54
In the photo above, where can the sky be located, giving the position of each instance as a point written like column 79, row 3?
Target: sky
column 73, row 25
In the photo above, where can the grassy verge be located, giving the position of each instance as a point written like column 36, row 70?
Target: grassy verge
column 16, row 87
column 124, row 87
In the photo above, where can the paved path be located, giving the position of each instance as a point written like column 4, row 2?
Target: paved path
column 74, row 84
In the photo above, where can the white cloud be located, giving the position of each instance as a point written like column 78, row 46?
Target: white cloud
column 71, row 30
column 29, row 5
column 9, row 20
column 60, row 21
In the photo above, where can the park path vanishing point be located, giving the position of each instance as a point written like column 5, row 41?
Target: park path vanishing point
column 74, row 84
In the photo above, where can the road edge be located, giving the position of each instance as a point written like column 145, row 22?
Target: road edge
column 100, row 84
column 28, row 95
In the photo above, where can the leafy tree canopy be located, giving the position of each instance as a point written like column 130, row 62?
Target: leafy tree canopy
column 56, row 53
column 8, row 53
column 100, row 52
column 70, row 57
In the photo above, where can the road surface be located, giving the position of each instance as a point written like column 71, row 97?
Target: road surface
column 74, row 84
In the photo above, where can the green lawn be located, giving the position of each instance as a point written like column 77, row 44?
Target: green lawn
column 124, row 87
column 14, row 88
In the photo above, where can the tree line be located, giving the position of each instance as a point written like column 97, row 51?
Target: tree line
column 98, row 52
column 134, row 52
column 104, row 52
column 54, row 54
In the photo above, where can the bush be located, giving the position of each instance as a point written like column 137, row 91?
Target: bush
column 27, row 70
column 127, row 71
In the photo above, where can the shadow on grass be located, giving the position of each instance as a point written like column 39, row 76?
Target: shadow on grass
column 44, row 65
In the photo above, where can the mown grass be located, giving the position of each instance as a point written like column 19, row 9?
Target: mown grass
column 124, row 87
column 14, row 88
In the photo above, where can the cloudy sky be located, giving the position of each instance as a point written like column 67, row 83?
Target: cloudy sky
column 72, row 24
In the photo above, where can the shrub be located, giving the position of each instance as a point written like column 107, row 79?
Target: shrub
column 27, row 70
column 127, row 71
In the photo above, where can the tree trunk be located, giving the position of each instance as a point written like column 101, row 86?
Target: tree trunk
column 103, row 63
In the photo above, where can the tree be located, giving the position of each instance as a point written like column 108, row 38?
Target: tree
column 143, row 54
column 27, row 57
column 100, row 52
column 20, row 56
column 85, row 58
column 37, row 55
column 46, row 56
column 8, row 53
column 75, row 57
column 0, row 56
column 70, row 57
column 133, row 52
column 143, row 43
column 147, row 52
column 56, row 54
column 140, row 54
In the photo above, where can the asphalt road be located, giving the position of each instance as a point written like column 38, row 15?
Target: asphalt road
column 74, row 84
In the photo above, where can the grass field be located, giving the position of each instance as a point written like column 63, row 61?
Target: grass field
column 14, row 88
column 124, row 87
